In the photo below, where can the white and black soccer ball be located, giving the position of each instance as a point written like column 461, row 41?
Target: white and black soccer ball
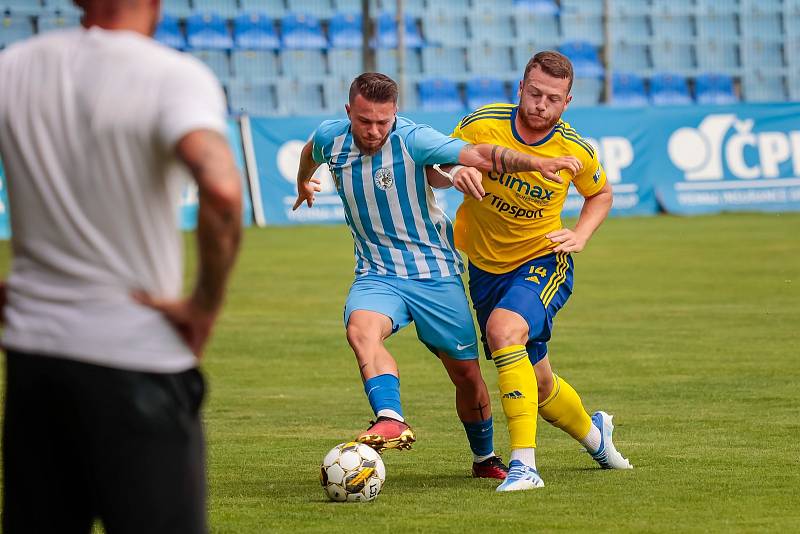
column 352, row 472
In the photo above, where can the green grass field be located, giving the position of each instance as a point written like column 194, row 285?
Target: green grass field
column 686, row 329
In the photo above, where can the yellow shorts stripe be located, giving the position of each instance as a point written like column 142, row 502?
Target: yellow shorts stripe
column 558, row 278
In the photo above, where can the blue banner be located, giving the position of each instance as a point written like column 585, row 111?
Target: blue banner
column 189, row 205
column 5, row 223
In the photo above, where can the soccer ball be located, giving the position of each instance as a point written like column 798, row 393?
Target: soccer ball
column 352, row 472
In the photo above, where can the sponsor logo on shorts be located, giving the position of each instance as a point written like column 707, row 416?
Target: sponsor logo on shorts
column 517, row 212
column 459, row 346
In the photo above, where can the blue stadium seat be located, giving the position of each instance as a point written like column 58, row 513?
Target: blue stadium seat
column 628, row 90
column 490, row 27
column 354, row 6
column 346, row 62
column 21, row 7
column 629, row 28
column 582, row 27
column 300, row 97
column 386, row 60
column 713, row 88
column 439, row 94
column 226, row 8
column 586, row 92
column 321, row 9
column 719, row 25
column 387, row 32
column 303, row 63
column 217, row 60
column 300, row 31
column 169, row 32
column 344, row 30
column 585, row 61
column 254, row 64
column 538, row 7
column 442, row 28
column 672, row 56
column 668, row 89
column 272, row 8
column 253, row 98
column 491, row 60
column 629, row 57
column 255, row 31
column 718, row 55
column 444, row 61
column 178, row 8
column 492, row 6
column 208, row 31
column 594, row 7
column 14, row 29
column 482, row 91
column 675, row 26
column 541, row 29
column 57, row 21
column 763, row 87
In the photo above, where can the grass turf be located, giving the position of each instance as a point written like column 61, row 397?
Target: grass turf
column 686, row 329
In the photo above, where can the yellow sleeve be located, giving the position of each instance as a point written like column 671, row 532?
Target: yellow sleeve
column 466, row 133
column 592, row 177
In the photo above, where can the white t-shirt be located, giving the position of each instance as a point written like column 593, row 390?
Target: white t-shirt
column 89, row 120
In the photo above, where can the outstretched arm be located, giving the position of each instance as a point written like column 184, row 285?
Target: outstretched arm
column 307, row 185
column 594, row 211
column 499, row 159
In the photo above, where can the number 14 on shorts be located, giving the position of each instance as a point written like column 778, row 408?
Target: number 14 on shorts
column 535, row 273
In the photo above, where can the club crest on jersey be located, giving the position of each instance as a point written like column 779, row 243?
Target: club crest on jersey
column 384, row 179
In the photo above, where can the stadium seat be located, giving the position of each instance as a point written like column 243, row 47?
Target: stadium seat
column 346, row 62
column 300, row 97
column 489, row 27
column 536, row 7
column 300, row 31
column 713, row 88
column 415, row 8
column 630, row 7
column 14, row 29
column 354, row 6
column 444, row 61
column 629, row 28
column 57, row 21
column 169, row 32
column 718, row 6
column 177, row 8
column 761, row 20
column 760, row 53
column 208, row 31
column 64, row 7
column 793, row 82
column 386, row 60
column 255, row 31
column 668, row 89
column 629, row 57
column 345, row 30
column 585, row 61
column 482, row 91
column 674, row 26
column 254, row 64
column 586, row 92
column 452, row 7
column 628, row 90
column 717, row 55
column 593, row 7
column 21, row 7
column 217, row 60
column 439, row 94
column 533, row 27
column 303, row 63
column 274, row 9
column 674, row 7
column 491, row 60
column 442, row 28
column 387, row 32
column 672, row 56
column 717, row 25
column 582, row 26
column 321, row 9
column 492, row 6
column 763, row 87
column 335, row 94
column 226, row 8
column 253, row 98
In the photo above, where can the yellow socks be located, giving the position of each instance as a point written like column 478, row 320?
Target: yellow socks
column 518, row 394
column 563, row 409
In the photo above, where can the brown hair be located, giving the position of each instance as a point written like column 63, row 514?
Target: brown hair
column 553, row 64
column 375, row 87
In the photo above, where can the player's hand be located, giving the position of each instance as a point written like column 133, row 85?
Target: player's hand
column 305, row 192
column 549, row 167
column 468, row 181
column 192, row 320
column 568, row 240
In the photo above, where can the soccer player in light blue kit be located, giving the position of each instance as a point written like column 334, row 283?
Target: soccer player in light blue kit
column 407, row 267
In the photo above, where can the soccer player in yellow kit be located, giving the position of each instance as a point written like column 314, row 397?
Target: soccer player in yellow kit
column 520, row 269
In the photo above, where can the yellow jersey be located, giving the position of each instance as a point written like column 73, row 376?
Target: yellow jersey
column 508, row 227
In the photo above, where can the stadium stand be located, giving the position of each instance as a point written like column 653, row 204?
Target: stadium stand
column 668, row 89
column 491, row 60
column 439, row 94
column 177, row 8
column 21, row 7
column 711, row 88
column 491, row 27
column 226, row 8
column 386, row 61
column 254, row 64
column 444, row 28
column 254, row 98
column 303, row 63
column 344, row 30
column 14, row 28
column 628, row 90
column 274, row 9
column 584, row 57
column 301, row 31
column 540, row 28
column 482, row 91
column 444, row 61
column 208, row 31
column 345, row 62
column 169, row 32
column 254, row 31
column 217, row 61
column 321, row 9
column 538, row 7
column 387, row 32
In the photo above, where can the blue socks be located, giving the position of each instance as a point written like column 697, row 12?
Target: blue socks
column 481, row 438
column 383, row 393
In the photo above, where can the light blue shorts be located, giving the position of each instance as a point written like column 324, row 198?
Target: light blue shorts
column 438, row 306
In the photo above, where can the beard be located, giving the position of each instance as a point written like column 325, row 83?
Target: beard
column 367, row 147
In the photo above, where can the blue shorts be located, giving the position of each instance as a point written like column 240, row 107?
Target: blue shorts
column 438, row 306
column 536, row 290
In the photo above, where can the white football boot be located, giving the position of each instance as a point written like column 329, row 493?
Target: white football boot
column 607, row 455
column 520, row 477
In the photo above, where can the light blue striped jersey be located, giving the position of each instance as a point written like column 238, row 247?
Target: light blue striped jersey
column 397, row 226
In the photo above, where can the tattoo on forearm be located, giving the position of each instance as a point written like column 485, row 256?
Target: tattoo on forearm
column 503, row 160
column 494, row 160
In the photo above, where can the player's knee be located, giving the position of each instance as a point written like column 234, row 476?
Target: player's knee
column 500, row 334
column 362, row 338
column 544, row 384
column 466, row 375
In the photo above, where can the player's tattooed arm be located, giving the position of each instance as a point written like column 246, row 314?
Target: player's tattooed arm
column 219, row 227
column 499, row 159
column 307, row 185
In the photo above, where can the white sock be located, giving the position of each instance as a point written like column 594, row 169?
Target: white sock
column 526, row 456
column 592, row 439
column 386, row 412
column 478, row 459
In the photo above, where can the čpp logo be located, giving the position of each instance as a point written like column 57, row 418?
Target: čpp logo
column 723, row 140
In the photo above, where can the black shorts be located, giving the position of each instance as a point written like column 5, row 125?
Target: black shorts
column 84, row 442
